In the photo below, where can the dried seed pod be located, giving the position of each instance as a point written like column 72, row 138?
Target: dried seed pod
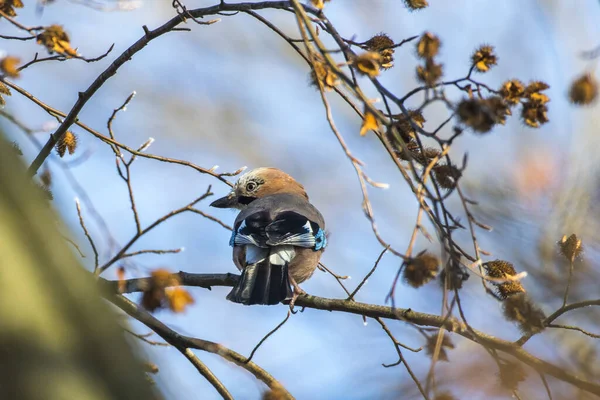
column 446, row 175
column 378, row 42
column 421, row 269
column 320, row 4
column 4, row 90
column 446, row 344
column 67, row 143
column 381, row 44
column 499, row 107
column 484, row 58
column 56, row 40
column 535, row 87
column 512, row 91
column 404, row 126
column 9, row 66
column 534, row 114
column 8, row 7
column 322, row 73
column 482, row 114
column 368, row 63
column 429, row 73
column 414, row 5
column 428, row 46
column 511, row 374
column 570, row 247
column 521, row 309
column 370, row 122
column 535, row 97
column 500, row 269
column 160, row 294
column 178, row 298
column 584, row 90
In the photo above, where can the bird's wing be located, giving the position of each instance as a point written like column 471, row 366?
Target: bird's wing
column 280, row 220
column 293, row 228
column 251, row 229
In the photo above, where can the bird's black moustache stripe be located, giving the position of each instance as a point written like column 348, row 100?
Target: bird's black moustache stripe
column 246, row 199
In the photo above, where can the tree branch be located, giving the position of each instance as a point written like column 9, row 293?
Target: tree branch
column 374, row 311
column 182, row 342
column 206, row 373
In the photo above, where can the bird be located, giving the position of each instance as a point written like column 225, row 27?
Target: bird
column 278, row 237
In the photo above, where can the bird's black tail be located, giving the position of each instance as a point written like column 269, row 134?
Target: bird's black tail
column 262, row 283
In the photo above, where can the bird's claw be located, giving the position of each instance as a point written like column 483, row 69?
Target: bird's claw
column 297, row 292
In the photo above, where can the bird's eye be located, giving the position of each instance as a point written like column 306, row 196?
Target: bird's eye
column 251, row 186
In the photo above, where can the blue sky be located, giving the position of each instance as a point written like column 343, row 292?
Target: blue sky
column 233, row 94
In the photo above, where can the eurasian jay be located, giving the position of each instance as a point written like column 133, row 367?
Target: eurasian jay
column 278, row 236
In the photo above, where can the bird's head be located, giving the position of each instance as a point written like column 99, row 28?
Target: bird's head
column 259, row 182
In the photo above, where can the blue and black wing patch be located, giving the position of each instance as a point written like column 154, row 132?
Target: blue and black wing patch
column 251, row 230
column 289, row 228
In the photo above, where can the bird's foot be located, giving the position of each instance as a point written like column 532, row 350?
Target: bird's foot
column 297, row 292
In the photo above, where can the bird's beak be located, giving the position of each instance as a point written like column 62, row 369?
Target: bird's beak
column 229, row 201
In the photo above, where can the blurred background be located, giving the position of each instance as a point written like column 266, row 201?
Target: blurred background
column 234, row 94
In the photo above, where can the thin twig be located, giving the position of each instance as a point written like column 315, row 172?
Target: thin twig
column 206, row 373
column 137, row 253
column 558, row 313
column 402, row 360
column 570, row 307
column 566, row 295
column 360, row 285
column 112, row 117
column 394, row 340
column 22, row 27
column 338, row 278
column 267, row 336
column 574, row 328
column 87, row 234
column 545, row 382
column 62, row 57
column 127, row 178
column 144, row 338
column 142, row 232
column 16, row 37
column 74, row 245
column 210, row 217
